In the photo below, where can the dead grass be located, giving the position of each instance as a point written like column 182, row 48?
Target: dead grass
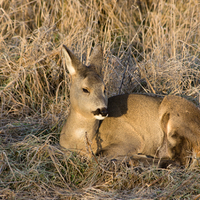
column 149, row 46
column 36, row 168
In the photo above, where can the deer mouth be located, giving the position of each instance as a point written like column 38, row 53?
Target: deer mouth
column 100, row 114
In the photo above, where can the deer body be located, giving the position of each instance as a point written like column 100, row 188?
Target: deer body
column 128, row 132
column 132, row 123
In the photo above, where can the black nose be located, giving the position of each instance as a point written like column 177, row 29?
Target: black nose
column 102, row 111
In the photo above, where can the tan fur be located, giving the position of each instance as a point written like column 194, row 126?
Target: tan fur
column 136, row 124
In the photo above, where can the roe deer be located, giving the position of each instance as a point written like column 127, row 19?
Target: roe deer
column 166, row 127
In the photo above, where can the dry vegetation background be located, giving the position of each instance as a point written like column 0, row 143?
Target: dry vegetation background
column 149, row 47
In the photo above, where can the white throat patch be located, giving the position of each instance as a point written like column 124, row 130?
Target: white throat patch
column 100, row 117
column 80, row 132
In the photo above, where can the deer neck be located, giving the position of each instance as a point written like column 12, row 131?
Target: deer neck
column 80, row 126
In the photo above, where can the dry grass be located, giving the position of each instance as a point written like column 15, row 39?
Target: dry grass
column 149, row 46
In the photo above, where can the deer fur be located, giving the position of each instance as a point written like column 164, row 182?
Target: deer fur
column 128, row 124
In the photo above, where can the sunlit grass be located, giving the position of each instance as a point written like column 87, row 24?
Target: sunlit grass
column 149, row 47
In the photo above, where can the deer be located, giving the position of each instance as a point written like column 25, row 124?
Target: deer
column 127, row 124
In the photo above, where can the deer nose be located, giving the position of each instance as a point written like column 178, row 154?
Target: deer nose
column 101, row 112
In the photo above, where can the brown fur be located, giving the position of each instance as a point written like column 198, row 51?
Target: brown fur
column 136, row 124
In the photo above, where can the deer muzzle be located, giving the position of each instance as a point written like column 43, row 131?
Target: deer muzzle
column 100, row 113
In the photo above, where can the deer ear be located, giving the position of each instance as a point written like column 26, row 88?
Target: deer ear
column 71, row 61
column 96, row 59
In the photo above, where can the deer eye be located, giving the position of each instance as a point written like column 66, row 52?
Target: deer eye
column 104, row 90
column 85, row 90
